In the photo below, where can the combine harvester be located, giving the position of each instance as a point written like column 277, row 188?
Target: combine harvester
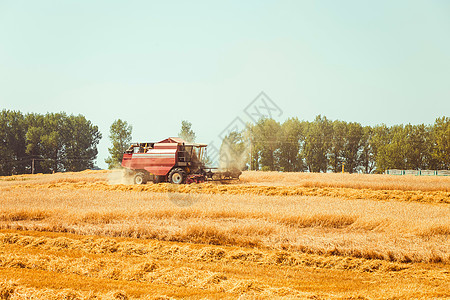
column 171, row 160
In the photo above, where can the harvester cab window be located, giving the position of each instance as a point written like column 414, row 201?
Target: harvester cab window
column 201, row 153
column 188, row 151
column 195, row 154
column 192, row 152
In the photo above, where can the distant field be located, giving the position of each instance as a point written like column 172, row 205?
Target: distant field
column 271, row 235
column 354, row 181
column 315, row 180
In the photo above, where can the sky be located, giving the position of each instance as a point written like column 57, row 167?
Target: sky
column 155, row 63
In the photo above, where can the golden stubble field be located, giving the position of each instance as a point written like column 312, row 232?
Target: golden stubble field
column 271, row 235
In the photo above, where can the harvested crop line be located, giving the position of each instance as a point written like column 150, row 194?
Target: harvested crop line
column 391, row 230
column 164, row 250
column 140, row 271
column 212, row 271
column 241, row 189
column 11, row 290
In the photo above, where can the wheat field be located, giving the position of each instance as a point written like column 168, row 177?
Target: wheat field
column 270, row 235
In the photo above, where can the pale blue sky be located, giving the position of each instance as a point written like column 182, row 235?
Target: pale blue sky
column 154, row 63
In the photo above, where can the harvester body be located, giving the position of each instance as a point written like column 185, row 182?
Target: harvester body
column 173, row 160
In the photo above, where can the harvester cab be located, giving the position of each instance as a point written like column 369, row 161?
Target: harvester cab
column 171, row 160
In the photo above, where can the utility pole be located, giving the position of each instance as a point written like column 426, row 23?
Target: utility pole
column 32, row 166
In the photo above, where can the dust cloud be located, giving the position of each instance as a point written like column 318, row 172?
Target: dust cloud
column 234, row 159
column 119, row 176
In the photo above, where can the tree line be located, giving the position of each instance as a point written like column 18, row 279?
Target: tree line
column 51, row 142
column 325, row 145
column 55, row 142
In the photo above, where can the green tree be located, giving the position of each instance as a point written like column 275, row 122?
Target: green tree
column 61, row 143
column 379, row 143
column 338, row 140
column 441, row 143
column 80, row 149
column 352, row 146
column 266, row 143
column 417, row 144
column 13, row 158
column 390, row 147
column 120, row 135
column 318, row 144
column 291, row 139
column 44, row 141
column 367, row 156
column 397, row 148
column 54, row 141
column 33, row 136
column 186, row 132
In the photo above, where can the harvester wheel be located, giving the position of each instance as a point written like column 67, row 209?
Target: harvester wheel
column 177, row 176
column 139, row 178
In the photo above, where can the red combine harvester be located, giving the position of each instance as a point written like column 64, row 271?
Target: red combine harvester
column 171, row 160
